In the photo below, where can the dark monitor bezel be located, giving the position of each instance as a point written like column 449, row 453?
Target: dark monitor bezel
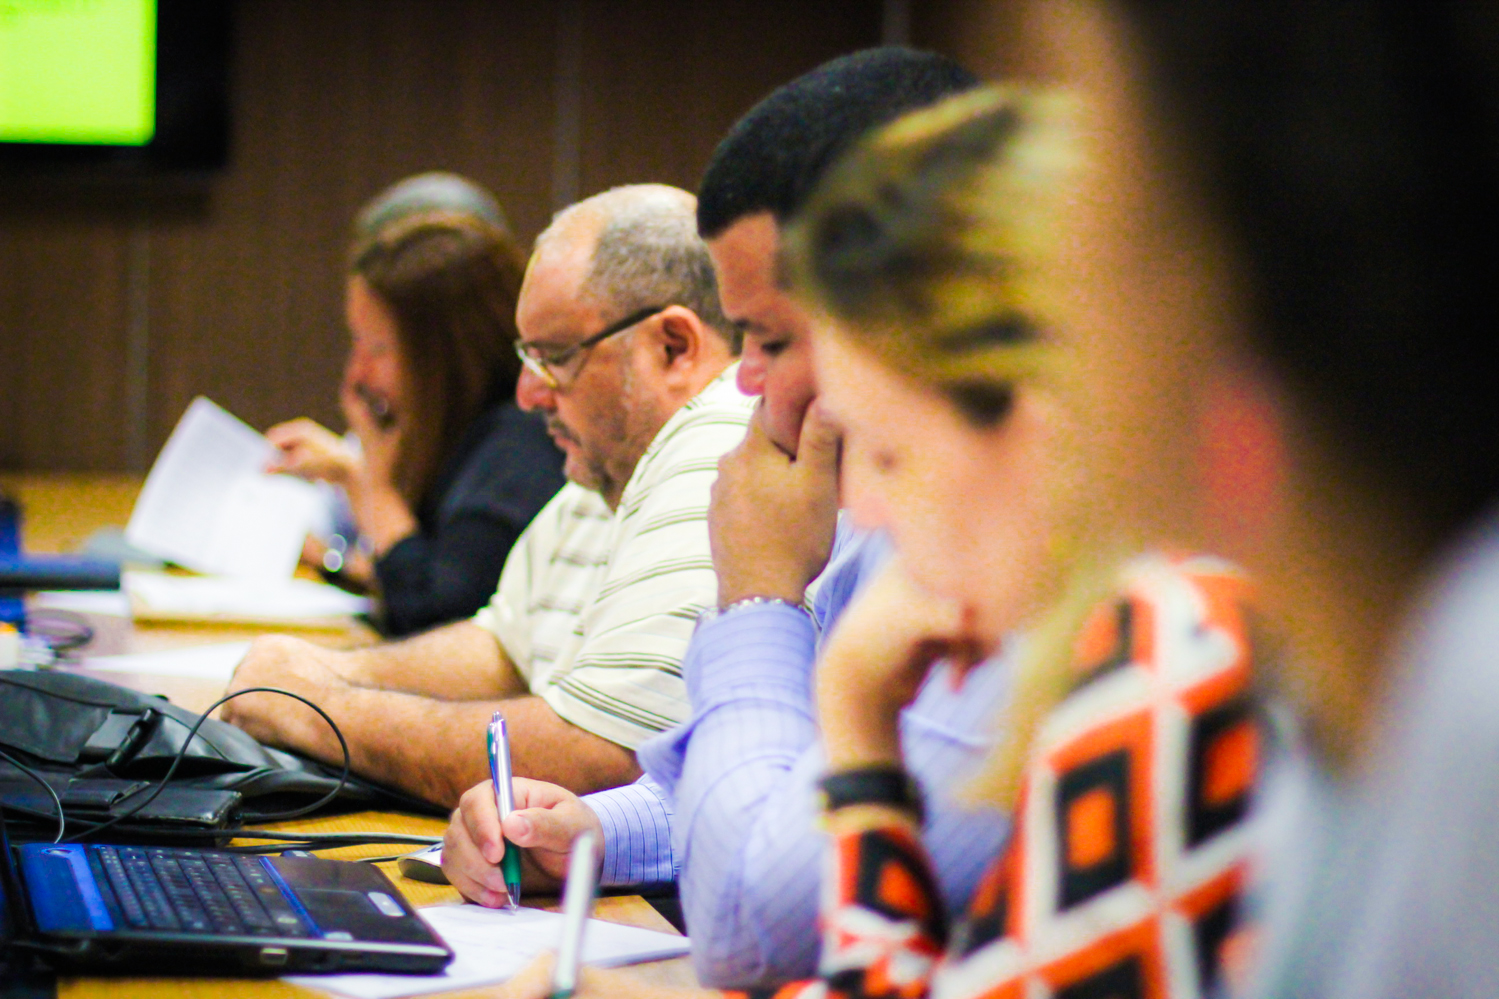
column 194, row 48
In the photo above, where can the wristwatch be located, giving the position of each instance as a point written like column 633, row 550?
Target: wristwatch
column 877, row 785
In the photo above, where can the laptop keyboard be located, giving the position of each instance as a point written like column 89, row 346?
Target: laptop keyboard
column 181, row 891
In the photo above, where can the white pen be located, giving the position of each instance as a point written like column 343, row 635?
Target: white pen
column 577, row 904
column 504, row 800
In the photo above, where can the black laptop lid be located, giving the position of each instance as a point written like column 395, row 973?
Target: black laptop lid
column 20, row 975
column 11, row 915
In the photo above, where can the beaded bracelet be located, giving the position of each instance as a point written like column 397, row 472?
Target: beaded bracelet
column 712, row 613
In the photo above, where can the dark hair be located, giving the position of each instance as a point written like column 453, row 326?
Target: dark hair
column 1351, row 152
column 451, row 282
column 926, row 240
column 773, row 156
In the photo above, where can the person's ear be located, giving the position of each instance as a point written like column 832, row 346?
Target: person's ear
column 1243, row 460
column 680, row 340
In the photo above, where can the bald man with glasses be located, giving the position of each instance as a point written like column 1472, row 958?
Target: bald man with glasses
column 631, row 361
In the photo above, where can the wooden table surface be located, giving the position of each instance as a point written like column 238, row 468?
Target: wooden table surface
column 60, row 512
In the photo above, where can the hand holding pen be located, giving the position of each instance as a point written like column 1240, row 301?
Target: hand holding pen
column 504, row 799
column 546, row 820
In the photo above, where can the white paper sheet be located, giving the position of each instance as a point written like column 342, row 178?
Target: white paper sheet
column 111, row 603
column 208, row 504
column 290, row 602
column 493, row 944
column 206, row 662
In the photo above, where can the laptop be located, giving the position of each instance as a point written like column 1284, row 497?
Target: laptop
column 180, row 910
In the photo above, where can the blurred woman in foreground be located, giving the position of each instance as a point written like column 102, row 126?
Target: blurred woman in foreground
column 1289, row 253
column 928, row 255
column 448, row 470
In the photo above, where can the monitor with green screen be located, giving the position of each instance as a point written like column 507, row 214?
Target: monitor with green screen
column 78, row 72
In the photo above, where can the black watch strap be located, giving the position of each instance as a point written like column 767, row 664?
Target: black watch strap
column 879, row 785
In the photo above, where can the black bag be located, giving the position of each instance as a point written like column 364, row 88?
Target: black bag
column 102, row 748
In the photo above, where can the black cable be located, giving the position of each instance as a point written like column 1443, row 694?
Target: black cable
column 343, row 777
column 62, row 818
column 192, row 733
column 63, row 631
column 320, row 841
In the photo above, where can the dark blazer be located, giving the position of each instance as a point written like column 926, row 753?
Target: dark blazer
column 503, row 471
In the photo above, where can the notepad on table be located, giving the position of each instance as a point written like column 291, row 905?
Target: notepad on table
column 491, row 945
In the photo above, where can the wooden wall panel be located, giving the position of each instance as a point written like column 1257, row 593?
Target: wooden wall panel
column 239, row 280
column 990, row 37
column 62, row 338
column 664, row 80
column 337, row 99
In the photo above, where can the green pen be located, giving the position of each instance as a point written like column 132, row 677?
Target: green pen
column 504, row 799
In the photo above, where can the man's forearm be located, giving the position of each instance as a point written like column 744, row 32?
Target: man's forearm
column 436, row 749
column 457, row 662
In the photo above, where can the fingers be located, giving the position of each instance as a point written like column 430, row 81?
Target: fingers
column 753, row 451
column 756, row 438
column 904, row 606
column 821, row 440
column 481, row 820
column 539, row 793
column 307, row 449
column 551, row 817
column 288, row 438
column 471, row 840
column 549, row 829
column 284, row 433
column 299, row 431
column 461, row 863
column 546, row 816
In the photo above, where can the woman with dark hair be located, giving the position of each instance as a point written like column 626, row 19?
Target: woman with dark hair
column 448, row 470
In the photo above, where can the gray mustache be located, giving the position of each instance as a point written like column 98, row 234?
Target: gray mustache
column 560, row 429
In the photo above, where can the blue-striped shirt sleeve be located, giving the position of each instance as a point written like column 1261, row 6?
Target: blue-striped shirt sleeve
column 637, row 834
column 741, row 774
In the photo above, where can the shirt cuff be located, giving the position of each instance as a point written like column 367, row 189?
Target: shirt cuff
column 759, row 643
column 636, row 820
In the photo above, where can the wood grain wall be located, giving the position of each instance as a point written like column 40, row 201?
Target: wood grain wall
column 118, row 306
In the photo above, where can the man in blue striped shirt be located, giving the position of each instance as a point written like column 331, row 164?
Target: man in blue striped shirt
column 726, row 805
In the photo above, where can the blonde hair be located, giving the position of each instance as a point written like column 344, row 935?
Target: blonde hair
column 929, row 245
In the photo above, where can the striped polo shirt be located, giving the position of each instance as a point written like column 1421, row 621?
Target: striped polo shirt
column 595, row 608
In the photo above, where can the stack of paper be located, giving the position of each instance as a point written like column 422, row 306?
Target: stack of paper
column 202, row 662
column 156, row 596
column 491, row 945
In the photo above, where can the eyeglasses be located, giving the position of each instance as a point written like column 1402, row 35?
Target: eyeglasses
column 548, row 364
